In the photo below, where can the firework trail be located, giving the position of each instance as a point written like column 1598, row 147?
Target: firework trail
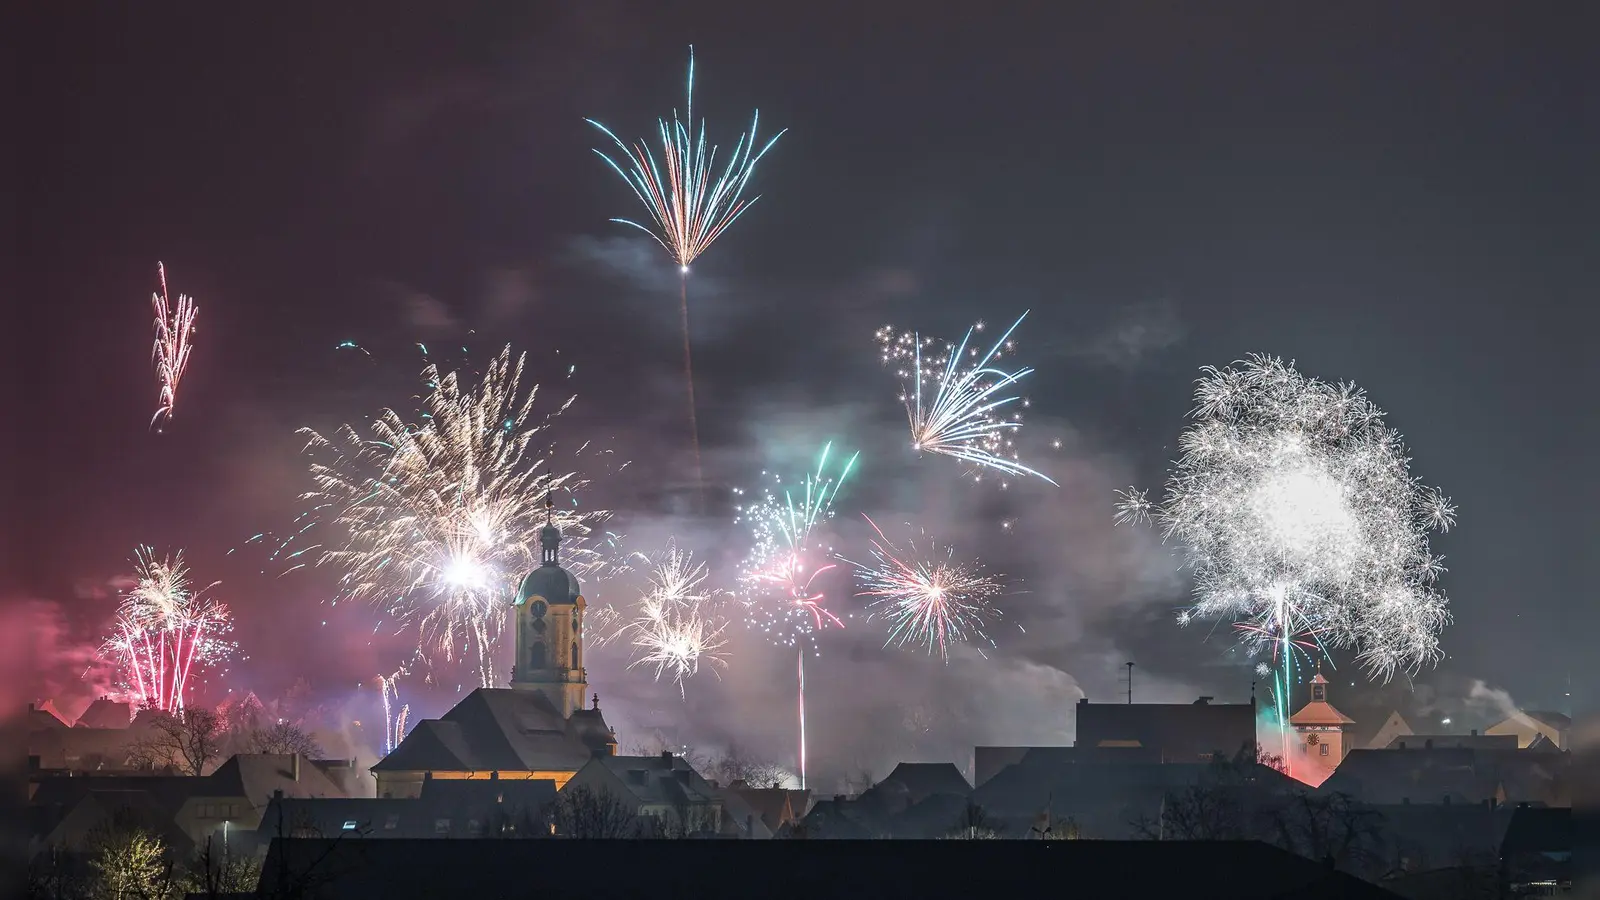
column 928, row 598
column 165, row 632
column 394, row 721
column 1302, row 522
column 958, row 403
column 690, row 205
column 780, row 573
column 174, row 327
column 677, row 626
column 443, row 518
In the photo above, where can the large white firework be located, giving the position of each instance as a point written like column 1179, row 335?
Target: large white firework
column 443, row 518
column 1301, row 520
column 677, row 626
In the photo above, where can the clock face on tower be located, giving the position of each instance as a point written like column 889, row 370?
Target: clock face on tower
column 538, row 609
column 1311, row 739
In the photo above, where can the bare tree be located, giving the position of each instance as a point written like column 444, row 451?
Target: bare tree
column 1225, row 804
column 1332, row 827
column 283, row 737
column 52, row 875
column 738, row 764
column 582, row 812
column 972, row 825
column 214, row 874
column 188, row 739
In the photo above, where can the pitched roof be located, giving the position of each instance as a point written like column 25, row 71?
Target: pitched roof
column 1440, row 775
column 105, row 712
column 257, row 776
column 924, row 780
column 1320, row 712
column 499, row 729
column 1539, row 831
column 664, row 779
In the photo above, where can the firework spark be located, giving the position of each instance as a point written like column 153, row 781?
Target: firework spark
column 166, row 632
column 972, row 413
column 928, row 598
column 1301, row 519
column 689, row 204
column 174, row 328
column 779, row 575
column 677, row 626
column 443, row 518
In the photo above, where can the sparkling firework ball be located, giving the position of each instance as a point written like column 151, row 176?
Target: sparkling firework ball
column 958, row 402
column 443, row 518
column 690, row 205
column 677, row 625
column 926, row 596
column 166, row 632
column 1301, row 520
column 174, row 328
column 778, row 578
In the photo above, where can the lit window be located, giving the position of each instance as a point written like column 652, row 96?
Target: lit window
column 349, row 824
column 391, row 823
column 441, row 826
column 1324, row 749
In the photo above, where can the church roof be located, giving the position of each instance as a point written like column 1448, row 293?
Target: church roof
column 495, row 729
column 1320, row 712
column 553, row 583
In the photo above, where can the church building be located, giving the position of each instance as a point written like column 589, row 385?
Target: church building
column 538, row 727
column 1319, row 729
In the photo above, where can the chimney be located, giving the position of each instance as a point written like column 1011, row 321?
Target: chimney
column 494, row 776
column 277, row 793
column 1474, row 732
column 1427, row 744
column 1204, row 701
column 294, row 766
column 666, row 754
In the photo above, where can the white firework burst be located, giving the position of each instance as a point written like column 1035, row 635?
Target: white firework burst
column 1301, row 519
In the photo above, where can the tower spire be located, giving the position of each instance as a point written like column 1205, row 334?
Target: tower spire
column 550, row 535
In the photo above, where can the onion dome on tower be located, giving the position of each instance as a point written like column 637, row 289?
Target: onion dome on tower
column 549, row 627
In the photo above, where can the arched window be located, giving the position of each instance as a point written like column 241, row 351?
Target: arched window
column 574, row 654
column 536, row 656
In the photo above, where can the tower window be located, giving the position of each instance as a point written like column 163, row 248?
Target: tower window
column 1319, row 692
column 536, row 656
column 1324, row 749
column 574, row 654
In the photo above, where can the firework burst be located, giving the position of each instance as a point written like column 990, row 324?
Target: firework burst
column 166, row 632
column 174, row 328
column 779, row 576
column 677, row 626
column 443, row 518
column 690, row 205
column 1301, row 520
column 958, row 402
column 927, row 597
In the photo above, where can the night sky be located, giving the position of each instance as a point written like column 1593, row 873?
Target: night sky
column 1402, row 198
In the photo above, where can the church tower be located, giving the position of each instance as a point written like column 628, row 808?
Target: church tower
column 549, row 627
column 1320, row 731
